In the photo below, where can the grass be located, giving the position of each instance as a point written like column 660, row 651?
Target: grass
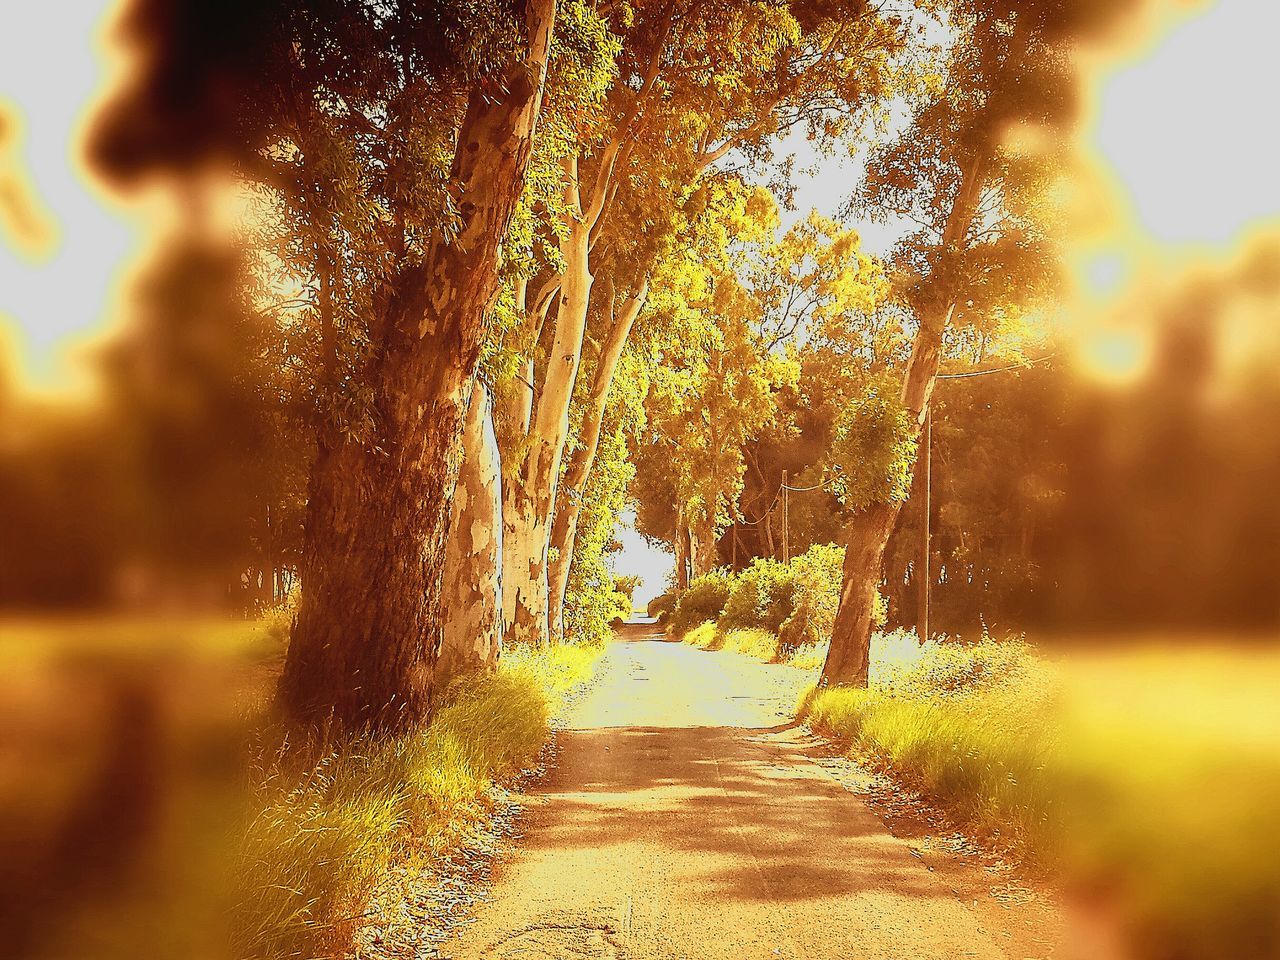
column 704, row 636
column 968, row 725
column 1148, row 780
column 321, row 837
column 752, row 642
column 749, row 641
column 315, row 835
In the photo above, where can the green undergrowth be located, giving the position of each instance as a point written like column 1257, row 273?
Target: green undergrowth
column 751, row 641
column 321, row 836
column 1145, row 781
column 968, row 724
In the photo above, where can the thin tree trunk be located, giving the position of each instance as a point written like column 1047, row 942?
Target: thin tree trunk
column 532, row 490
column 682, row 550
column 533, row 496
column 267, row 587
column 514, row 402
column 369, row 627
column 702, row 546
column 564, row 526
column 472, row 636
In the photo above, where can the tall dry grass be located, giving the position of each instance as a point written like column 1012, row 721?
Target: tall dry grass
column 1146, row 780
column 322, row 833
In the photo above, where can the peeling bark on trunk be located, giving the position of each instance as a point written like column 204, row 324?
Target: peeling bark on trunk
column 533, row 494
column 564, row 526
column 368, row 631
column 472, row 595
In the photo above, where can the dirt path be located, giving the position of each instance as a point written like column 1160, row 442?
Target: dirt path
column 686, row 819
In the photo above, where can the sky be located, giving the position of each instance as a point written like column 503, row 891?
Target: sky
column 54, row 294
column 1182, row 130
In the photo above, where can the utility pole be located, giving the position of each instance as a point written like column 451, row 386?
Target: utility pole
column 786, row 519
column 923, row 560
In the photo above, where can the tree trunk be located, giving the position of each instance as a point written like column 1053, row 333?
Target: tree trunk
column 532, row 495
column 682, row 551
column 702, row 546
column 472, row 595
column 369, row 627
column 849, row 655
column 267, row 588
column 564, row 526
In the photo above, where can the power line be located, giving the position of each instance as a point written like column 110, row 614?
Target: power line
column 817, row 486
column 982, row 373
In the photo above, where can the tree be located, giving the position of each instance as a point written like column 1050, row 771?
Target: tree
column 963, row 171
column 391, row 141
column 717, row 382
column 696, row 82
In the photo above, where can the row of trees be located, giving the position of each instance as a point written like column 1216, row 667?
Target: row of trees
column 452, row 194
column 974, row 171
column 569, row 207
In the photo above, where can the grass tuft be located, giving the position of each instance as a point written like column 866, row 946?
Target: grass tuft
column 752, row 642
column 322, row 834
column 704, row 636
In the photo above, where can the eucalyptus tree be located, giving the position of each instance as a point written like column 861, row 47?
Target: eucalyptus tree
column 388, row 142
column 699, row 81
column 975, row 171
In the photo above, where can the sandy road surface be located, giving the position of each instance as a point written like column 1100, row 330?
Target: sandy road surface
column 685, row 820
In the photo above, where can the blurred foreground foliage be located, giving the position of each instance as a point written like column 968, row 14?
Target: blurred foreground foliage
column 1145, row 781
column 153, row 808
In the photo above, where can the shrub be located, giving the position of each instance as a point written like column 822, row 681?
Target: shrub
column 704, row 636
column 797, row 600
column 816, row 577
column 703, row 601
column 278, row 620
column 660, row 607
column 761, row 597
column 810, row 656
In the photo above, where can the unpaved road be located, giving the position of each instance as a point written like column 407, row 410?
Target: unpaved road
column 685, row 819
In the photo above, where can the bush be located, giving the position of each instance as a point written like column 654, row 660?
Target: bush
column 797, row 600
column 761, row 597
column 278, row 620
column 704, row 637
column 660, row 607
column 753, row 642
column 703, row 601
column 817, row 575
